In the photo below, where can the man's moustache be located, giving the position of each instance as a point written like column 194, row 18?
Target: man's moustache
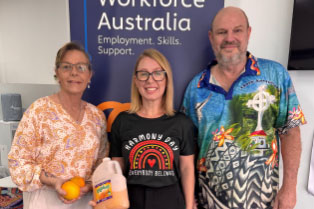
column 229, row 44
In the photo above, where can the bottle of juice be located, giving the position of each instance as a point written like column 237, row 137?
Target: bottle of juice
column 109, row 186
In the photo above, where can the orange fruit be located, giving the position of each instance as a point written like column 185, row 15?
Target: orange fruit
column 78, row 180
column 72, row 190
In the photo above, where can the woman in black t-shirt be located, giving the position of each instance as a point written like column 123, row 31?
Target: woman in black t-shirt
column 153, row 144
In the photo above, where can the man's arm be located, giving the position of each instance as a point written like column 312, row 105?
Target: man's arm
column 291, row 152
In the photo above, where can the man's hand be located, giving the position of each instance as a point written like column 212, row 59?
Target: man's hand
column 286, row 198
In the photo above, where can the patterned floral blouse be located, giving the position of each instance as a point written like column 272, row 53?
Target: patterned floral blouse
column 49, row 139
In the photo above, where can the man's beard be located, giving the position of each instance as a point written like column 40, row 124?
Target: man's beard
column 230, row 60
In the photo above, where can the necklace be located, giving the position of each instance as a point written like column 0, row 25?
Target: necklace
column 73, row 114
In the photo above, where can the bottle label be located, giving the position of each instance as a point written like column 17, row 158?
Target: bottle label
column 103, row 191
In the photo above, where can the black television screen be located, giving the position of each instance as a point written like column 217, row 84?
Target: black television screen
column 301, row 55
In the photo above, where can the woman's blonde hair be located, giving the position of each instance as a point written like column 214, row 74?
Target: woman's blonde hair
column 136, row 98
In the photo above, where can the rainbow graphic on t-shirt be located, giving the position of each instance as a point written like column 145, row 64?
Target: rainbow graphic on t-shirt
column 148, row 153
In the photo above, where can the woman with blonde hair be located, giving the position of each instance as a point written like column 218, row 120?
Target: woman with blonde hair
column 153, row 143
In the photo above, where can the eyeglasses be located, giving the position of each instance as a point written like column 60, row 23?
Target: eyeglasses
column 144, row 75
column 67, row 67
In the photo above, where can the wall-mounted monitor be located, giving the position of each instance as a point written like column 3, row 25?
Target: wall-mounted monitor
column 301, row 55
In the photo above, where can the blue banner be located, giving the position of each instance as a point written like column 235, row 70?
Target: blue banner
column 115, row 32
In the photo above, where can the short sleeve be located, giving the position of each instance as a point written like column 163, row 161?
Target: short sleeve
column 115, row 139
column 188, row 136
column 290, row 112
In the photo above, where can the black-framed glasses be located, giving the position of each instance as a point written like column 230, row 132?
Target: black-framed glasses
column 67, row 67
column 157, row 75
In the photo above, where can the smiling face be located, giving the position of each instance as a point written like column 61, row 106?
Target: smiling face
column 150, row 90
column 73, row 81
column 229, row 36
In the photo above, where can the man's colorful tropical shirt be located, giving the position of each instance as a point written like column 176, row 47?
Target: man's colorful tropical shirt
column 238, row 133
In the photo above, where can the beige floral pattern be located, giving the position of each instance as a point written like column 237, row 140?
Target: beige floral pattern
column 47, row 138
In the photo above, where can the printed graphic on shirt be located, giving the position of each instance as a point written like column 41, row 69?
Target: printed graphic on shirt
column 242, row 153
column 151, row 154
column 240, row 166
column 244, row 123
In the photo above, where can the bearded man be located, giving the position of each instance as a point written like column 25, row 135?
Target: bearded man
column 244, row 108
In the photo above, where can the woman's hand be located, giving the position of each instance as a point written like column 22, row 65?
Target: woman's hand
column 61, row 192
column 56, row 183
column 195, row 203
column 87, row 188
column 83, row 190
column 52, row 181
column 93, row 203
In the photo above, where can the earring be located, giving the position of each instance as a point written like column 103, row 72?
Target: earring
column 88, row 85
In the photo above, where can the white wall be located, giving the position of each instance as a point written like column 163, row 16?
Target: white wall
column 303, row 82
column 31, row 32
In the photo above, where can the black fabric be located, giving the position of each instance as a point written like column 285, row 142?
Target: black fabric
column 169, row 197
column 151, row 147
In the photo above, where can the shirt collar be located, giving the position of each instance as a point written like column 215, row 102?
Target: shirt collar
column 251, row 68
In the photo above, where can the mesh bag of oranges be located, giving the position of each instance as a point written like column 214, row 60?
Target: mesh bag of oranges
column 73, row 187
